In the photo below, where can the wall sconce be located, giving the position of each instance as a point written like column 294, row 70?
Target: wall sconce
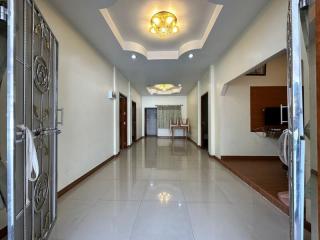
column 111, row 95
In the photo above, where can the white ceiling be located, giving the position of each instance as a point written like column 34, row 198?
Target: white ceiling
column 194, row 14
column 195, row 20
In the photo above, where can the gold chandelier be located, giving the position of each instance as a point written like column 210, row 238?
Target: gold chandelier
column 164, row 23
column 164, row 89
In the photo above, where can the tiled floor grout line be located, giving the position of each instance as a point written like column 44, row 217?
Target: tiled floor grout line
column 188, row 212
column 138, row 211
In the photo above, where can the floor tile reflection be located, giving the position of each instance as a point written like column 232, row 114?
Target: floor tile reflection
column 159, row 189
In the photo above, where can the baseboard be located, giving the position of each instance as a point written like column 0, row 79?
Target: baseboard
column 251, row 184
column 307, row 225
column 191, row 140
column 140, row 138
column 169, row 137
column 228, row 158
column 83, row 177
column 215, row 157
column 4, row 231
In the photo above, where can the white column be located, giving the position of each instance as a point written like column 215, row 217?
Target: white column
column 129, row 115
column 115, row 114
column 199, row 112
column 212, row 112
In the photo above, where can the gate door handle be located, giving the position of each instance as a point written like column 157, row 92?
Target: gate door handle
column 61, row 110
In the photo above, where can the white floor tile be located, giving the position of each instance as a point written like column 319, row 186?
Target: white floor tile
column 173, row 189
column 156, row 221
column 154, row 190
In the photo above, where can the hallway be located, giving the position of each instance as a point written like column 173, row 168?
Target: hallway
column 159, row 189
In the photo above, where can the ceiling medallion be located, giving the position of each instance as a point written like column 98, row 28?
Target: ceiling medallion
column 164, row 23
column 164, row 89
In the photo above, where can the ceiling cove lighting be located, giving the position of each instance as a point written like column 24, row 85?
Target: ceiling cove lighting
column 164, row 23
column 164, row 89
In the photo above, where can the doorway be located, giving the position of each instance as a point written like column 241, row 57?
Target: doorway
column 151, row 122
column 123, row 121
column 134, row 122
column 204, row 121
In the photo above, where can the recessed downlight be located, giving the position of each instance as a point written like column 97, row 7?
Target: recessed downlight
column 133, row 56
column 190, row 56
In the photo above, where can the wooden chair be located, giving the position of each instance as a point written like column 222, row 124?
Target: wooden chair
column 185, row 124
column 173, row 124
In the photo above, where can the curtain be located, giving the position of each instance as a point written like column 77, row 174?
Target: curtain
column 165, row 113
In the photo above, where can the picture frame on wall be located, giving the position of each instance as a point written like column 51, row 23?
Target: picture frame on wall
column 259, row 71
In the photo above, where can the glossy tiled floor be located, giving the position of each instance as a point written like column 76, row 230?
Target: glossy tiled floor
column 163, row 190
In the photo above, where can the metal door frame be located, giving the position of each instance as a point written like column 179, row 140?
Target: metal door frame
column 11, row 117
column 296, row 150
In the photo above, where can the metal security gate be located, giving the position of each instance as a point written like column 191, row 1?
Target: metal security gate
column 296, row 146
column 32, row 103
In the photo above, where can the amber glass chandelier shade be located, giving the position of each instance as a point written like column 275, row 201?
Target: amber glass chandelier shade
column 164, row 23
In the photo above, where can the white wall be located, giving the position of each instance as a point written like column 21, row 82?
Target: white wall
column 90, row 132
column 236, row 137
column 192, row 109
column 265, row 37
column 153, row 101
column 84, row 77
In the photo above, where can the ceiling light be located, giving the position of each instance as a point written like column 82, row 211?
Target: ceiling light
column 164, row 197
column 190, row 56
column 164, row 89
column 153, row 30
column 133, row 56
column 169, row 20
column 164, row 23
column 175, row 29
column 156, row 20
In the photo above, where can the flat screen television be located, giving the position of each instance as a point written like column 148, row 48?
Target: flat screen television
column 272, row 116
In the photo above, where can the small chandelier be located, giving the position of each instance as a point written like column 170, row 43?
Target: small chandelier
column 164, row 23
column 164, row 89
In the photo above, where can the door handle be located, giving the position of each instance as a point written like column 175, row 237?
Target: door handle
column 61, row 110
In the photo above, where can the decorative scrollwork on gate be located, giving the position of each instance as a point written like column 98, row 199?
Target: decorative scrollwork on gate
column 46, row 224
column 41, row 145
column 40, row 192
column 41, row 76
column 41, row 29
column 40, row 116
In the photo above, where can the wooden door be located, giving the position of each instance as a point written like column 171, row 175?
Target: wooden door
column 204, row 121
column 123, row 121
column 134, row 121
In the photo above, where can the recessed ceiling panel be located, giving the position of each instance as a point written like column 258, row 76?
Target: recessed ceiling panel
column 86, row 18
column 196, row 19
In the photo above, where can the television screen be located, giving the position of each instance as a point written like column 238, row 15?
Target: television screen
column 272, row 116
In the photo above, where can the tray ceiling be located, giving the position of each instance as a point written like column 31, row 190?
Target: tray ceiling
column 233, row 19
column 196, row 19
